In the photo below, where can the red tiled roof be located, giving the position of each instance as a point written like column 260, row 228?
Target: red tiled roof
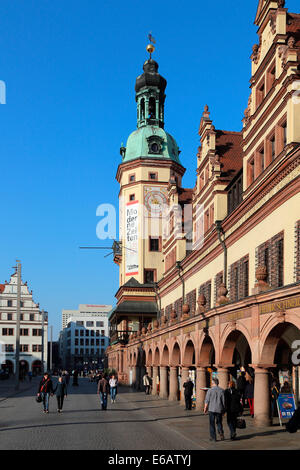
column 228, row 147
column 2, row 287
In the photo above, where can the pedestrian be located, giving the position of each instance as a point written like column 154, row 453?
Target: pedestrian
column 103, row 389
column 233, row 407
column 286, row 388
column 60, row 392
column 45, row 390
column 241, row 385
column 146, row 382
column 215, row 406
column 75, row 377
column 188, row 393
column 113, row 383
column 67, row 377
column 98, row 377
column 274, row 397
column 249, row 393
column 30, row 375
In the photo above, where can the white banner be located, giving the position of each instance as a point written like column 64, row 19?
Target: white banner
column 131, row 239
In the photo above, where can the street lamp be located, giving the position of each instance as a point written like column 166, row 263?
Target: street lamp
column 158, row 304
column 17, row 355
column 44, row 316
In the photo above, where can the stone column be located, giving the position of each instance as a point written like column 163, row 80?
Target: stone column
column 223, row 377
column 200, row 382
column 184, row 377
column 163, row 392
column 149, row 370
column 173, row 395
column 261, row 397
column 154, row 379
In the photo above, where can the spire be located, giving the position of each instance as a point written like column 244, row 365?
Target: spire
column 150, row 94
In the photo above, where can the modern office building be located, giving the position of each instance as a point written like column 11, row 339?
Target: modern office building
column 85, row 337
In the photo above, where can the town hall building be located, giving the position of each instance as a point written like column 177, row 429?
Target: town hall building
column 214, row 287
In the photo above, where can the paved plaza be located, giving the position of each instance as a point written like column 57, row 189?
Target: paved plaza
column 135, row 422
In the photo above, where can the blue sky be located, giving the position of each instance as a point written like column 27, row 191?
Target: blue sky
column 69, row 67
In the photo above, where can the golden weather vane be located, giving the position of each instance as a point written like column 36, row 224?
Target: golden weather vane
column 150, row 48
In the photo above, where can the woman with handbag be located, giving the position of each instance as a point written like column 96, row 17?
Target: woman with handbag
column 44, row 391
column 233, row 408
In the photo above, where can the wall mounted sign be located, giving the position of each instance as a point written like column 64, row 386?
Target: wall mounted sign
column 280, row 305
column 286, row 406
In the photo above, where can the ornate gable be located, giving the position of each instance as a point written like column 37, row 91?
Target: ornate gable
column 264, row 6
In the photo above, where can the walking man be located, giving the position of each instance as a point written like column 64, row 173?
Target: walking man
column 146, row 382
column 233, row 408
column 188, row 393
column 103, row 388
column 215, row 406
column 45, row 389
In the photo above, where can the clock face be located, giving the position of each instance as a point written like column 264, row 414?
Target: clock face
column 155, row 201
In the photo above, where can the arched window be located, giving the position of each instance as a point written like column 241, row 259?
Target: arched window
column 152, row 106
column 142, row 108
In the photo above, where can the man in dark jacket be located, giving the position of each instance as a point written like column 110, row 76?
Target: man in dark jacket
column 241, row 385
column 45, row 389
column 103, row 389
column 233, row 408
column 188, row 393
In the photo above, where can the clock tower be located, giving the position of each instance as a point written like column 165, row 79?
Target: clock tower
column 150, row 161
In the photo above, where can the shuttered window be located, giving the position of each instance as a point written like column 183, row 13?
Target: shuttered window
column 239, row 279
column 218, row 282
column 205, row 289
column 270, row 254
column 178, row 307
column 191, row 301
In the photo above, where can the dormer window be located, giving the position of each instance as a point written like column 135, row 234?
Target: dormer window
column 155, row 144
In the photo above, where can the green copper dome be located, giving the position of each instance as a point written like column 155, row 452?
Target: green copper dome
column 151, row 142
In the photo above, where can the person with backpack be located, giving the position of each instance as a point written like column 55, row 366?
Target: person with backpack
column 60, row 392
column 45, row 390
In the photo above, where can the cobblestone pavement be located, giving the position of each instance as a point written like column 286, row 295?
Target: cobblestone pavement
column 7, row 387
column 135, row 422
